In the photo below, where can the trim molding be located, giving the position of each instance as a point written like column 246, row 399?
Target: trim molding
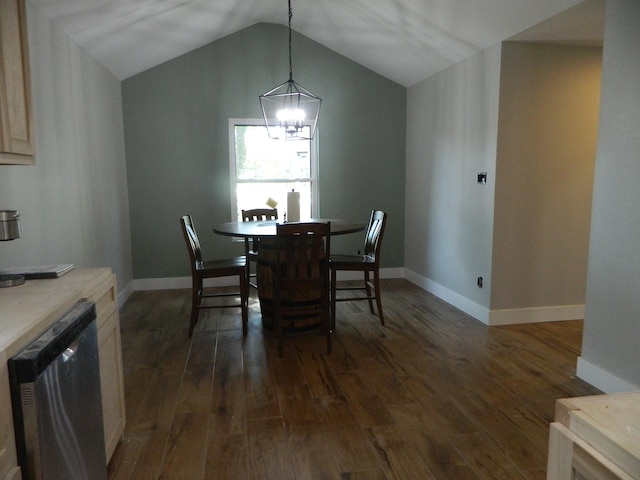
column 475, row 310
column 536, row 314
column 497, row 317
column 600, row 378
column 170, row 283
column 124, row 294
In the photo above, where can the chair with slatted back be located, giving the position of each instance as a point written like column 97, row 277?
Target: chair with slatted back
column 301, row 277
column 251, row 244
column 369, row 263
column 212, row 269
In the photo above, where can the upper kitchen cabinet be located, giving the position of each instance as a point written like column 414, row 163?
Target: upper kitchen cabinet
column 17, row 143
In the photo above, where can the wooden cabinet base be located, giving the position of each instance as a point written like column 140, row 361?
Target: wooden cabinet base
column 113, row 410
column 595, row 438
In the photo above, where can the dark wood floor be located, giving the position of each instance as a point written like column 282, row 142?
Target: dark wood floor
column 434, row 394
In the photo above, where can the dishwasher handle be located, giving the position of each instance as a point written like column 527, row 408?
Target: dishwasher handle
column 33, row 359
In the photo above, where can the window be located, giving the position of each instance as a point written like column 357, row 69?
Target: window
column 262, row 168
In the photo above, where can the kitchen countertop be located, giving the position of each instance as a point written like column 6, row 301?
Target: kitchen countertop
column 27, row 310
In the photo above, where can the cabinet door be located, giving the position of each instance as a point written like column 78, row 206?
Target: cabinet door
column 571, row 458
column 8, row 459
column 16, row 120
column 110, row 354
column 113, row 410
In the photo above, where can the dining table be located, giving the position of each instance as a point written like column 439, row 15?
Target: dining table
column 264, row 233
column 267, row 228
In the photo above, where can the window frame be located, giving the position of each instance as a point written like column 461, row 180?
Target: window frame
column 313, row 179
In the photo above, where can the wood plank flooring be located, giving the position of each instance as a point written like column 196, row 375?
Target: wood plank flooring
column 434, row 394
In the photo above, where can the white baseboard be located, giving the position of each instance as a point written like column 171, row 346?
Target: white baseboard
column 124, row 294
column 462, row 303
column 475, row 310
column 171, row 283
column 497, row 317
column 536, row 314
column 602, row 379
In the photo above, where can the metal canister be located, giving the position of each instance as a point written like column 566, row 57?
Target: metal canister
column 9, row 224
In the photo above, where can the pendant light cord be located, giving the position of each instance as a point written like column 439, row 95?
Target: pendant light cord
column 290, row 67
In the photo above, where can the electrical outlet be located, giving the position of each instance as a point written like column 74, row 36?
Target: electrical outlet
column 479, row 282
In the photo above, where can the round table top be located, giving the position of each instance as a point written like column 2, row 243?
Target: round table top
column 267, row 228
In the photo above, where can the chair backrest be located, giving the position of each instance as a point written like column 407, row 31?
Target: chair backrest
column 259, row 214
column 375, row 231
column 191, row 239
column 302, row 253
column 254, row 215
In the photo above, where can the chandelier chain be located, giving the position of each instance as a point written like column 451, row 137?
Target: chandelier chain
column 290, row 63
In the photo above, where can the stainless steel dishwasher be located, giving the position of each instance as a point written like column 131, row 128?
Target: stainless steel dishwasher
column 56, row 399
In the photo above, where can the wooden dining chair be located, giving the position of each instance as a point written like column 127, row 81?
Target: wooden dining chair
column 251, row 244
column 368, row 263
column 236, row 266
column 301, row 277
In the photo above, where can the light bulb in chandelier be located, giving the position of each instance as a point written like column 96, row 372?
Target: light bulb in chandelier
column 291, row 119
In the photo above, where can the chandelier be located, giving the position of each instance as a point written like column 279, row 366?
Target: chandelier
column 290, row 111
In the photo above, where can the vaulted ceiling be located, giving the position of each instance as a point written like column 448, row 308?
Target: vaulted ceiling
column 403, row 40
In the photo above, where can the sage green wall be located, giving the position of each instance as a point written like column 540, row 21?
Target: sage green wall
column 176, row 135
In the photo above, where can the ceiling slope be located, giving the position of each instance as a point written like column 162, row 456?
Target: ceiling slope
column 403, row 40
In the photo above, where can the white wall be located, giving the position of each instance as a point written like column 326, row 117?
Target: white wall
column 442, row 203
column 452, row 122
column 73, row 202
column 611, row 340
column 526, row 115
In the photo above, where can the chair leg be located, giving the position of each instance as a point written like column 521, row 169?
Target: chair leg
column 367, row 286
column 376, row 286
column 333, row 299
column 247, row 280
column 277, row 328
column 327, row 327
column 326, row 322
column 244, row 302
column 246, row 257
column 196, row 298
